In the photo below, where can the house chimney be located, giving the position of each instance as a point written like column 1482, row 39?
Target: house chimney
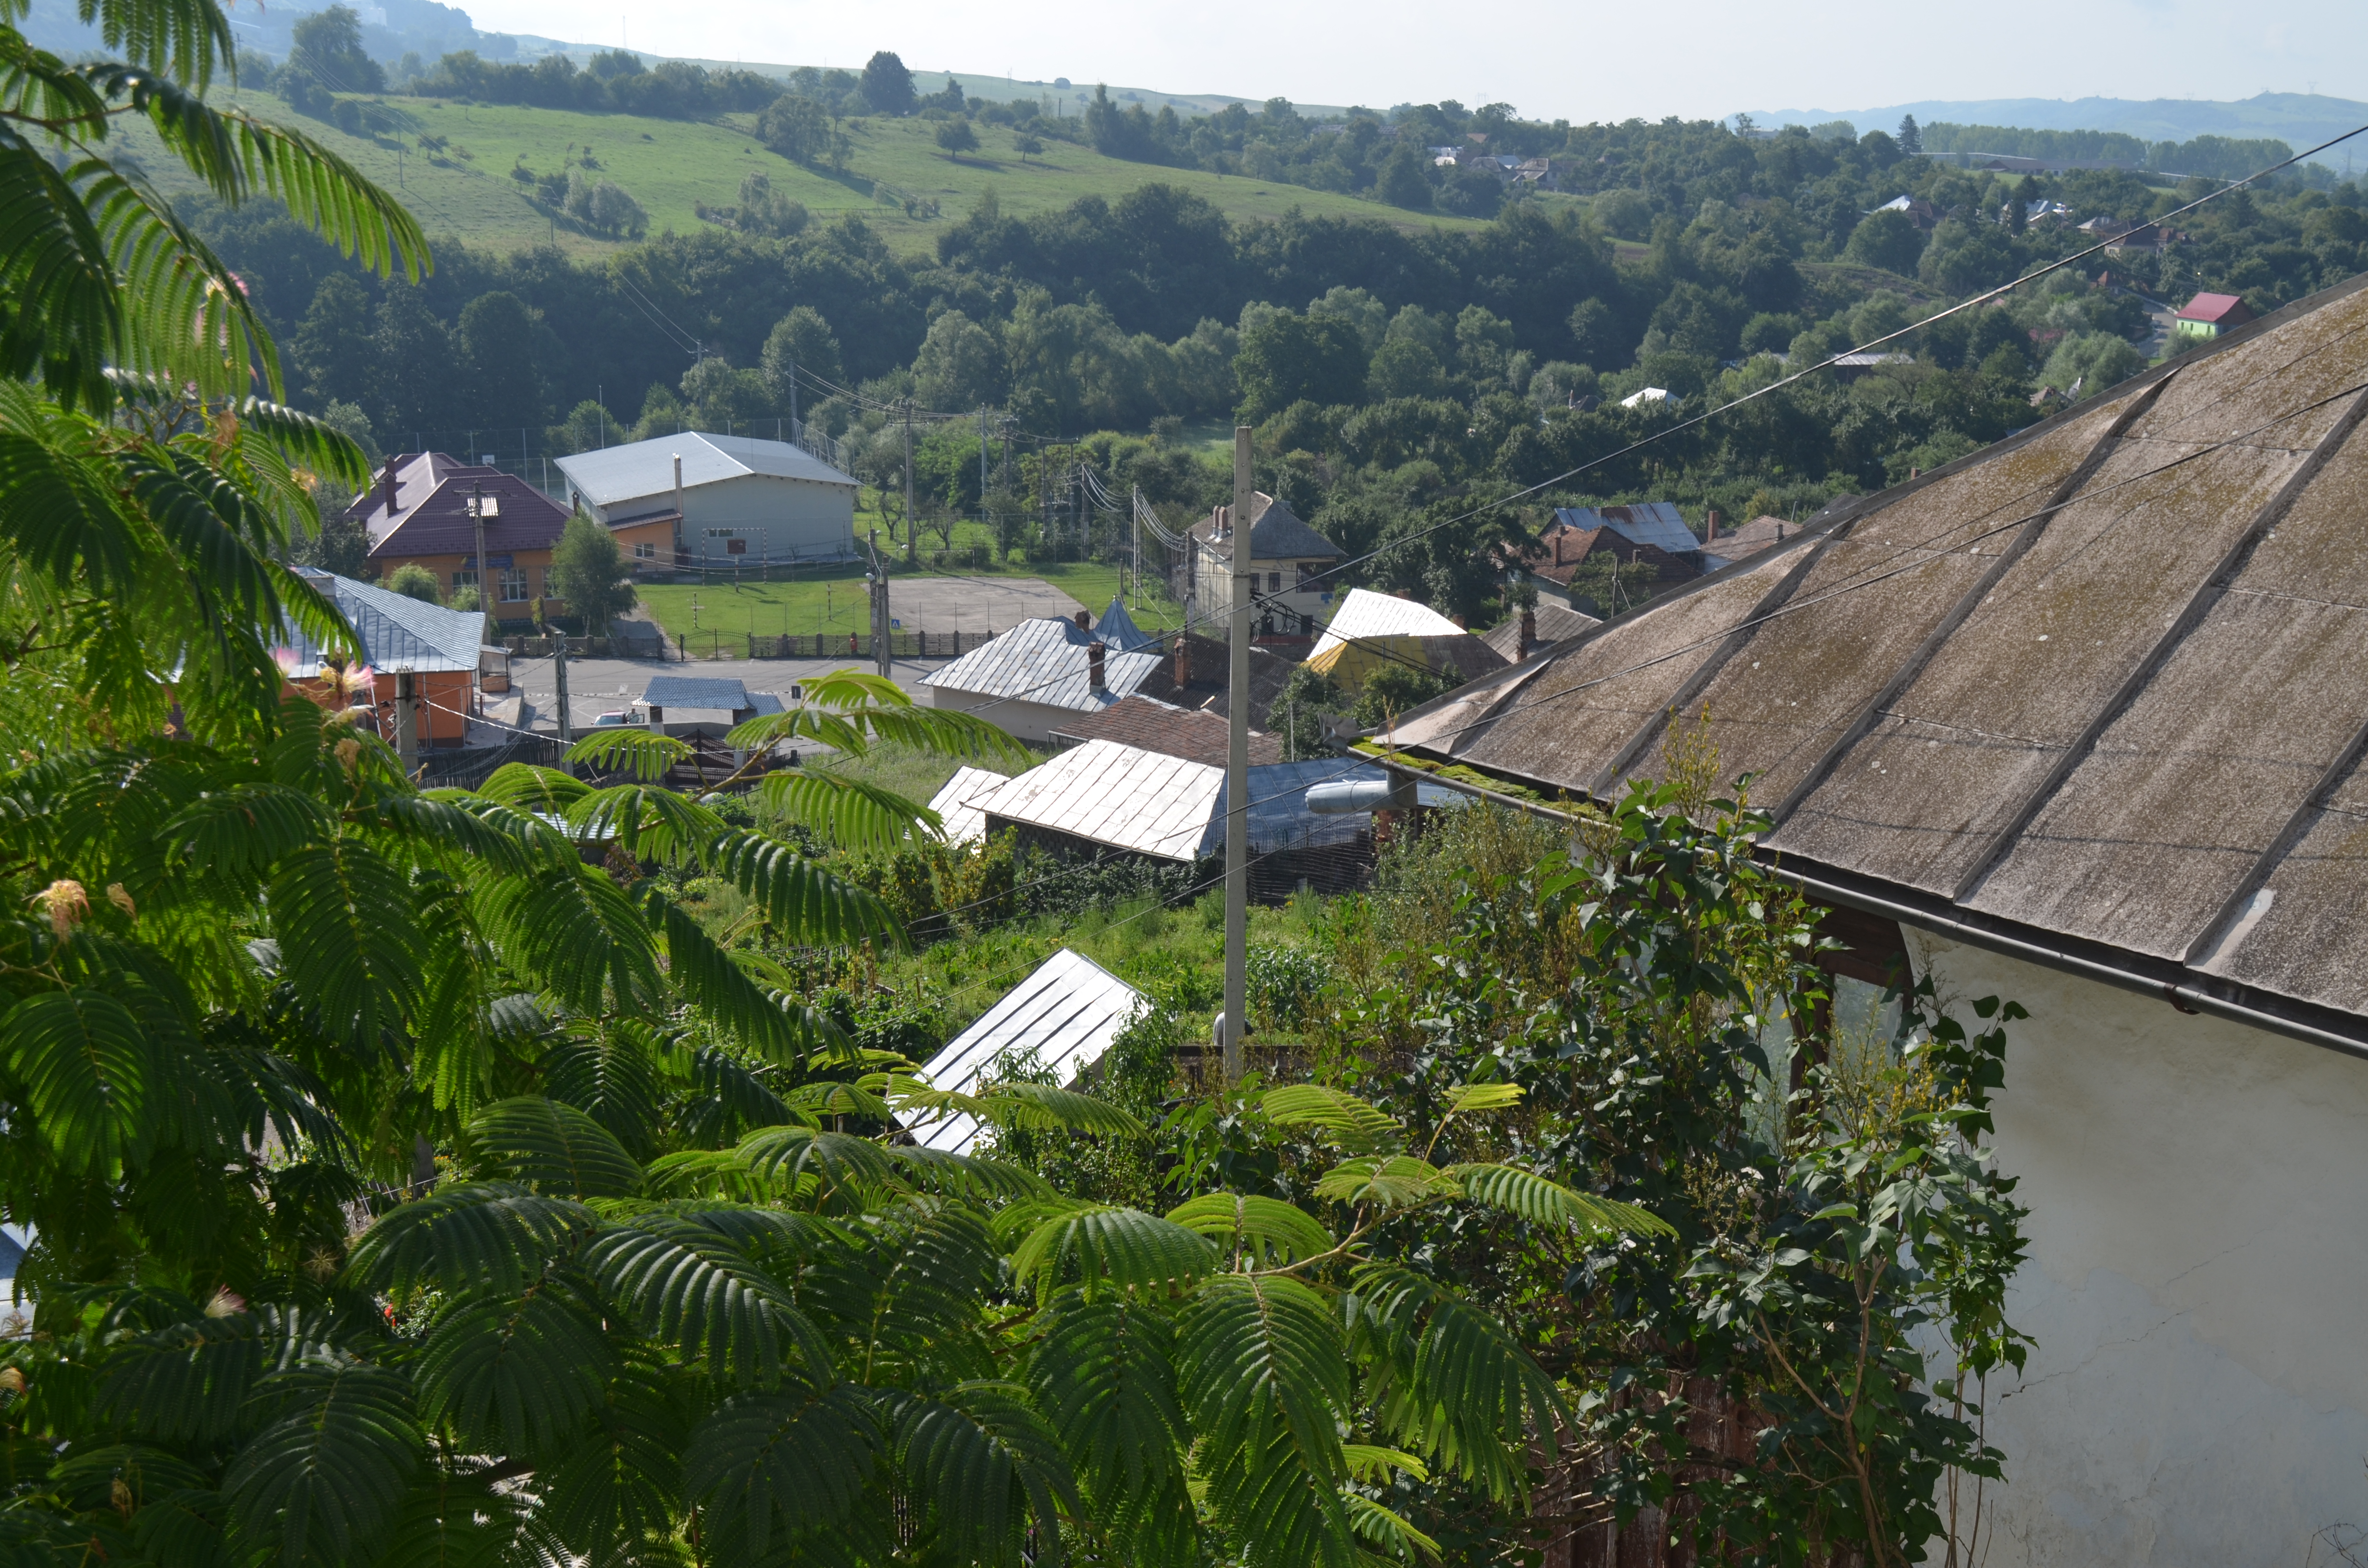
column 389, row 490
column 1183, row 661
column 1085, row 622
column 1710, row 529
column 1094, row 668
column 1529, row 631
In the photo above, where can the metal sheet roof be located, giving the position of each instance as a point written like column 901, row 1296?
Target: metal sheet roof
column 1062, row 1017
column 2094, row 684
column 1365, row 613
column 1118, row 628
column 959, row 802
column 398, row 633
column 1113, row 794
column 1276, row 533
column 637, row 468
column 1656, row 523
column 1044, row 660
column 694, row 691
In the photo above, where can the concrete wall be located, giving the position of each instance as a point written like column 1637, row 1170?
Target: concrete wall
column 2198, row 1269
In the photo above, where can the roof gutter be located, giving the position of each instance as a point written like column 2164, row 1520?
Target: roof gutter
column 2183, row 988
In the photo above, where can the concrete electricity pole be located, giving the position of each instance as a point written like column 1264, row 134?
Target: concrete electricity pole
column 912, row 533
column 880, row 650
column 485, row 582
column 1237, row 769
column 559, row 675
column 406, row 720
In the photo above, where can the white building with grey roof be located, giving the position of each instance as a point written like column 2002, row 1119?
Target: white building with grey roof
column 733, row 500
column 1040, row 675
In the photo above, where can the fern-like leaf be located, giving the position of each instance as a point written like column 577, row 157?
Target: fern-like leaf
column 1357, row 1127
column 767, row 1467
column 511, row 1373
column 487, row 1235
column 554, row 1148
column 980, row 1466
column 686, row 1284
column 1124, row 1248
column 322, row 1482
column 89, row 1075
column 1398, row 1181
column 1542, row 1202
column 1260, row 1232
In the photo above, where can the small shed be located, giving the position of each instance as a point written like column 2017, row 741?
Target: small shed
column 1062, row 1017
column 674, row 701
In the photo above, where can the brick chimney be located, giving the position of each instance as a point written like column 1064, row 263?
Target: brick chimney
column 1085, row 622
column 1183, row 661
column 1529, row 631
column 390, row 489
column 1710, row 530
column 1094, row 668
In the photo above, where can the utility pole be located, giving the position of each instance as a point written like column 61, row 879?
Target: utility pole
column 982, row 460
column 559, row 673
column 879, row 609
column 794, row 431
column 1238, row 771
column 406, row 720
column 477, row 518
column 912, row 533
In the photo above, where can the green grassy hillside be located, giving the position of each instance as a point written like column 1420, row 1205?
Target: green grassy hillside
column 671, row 166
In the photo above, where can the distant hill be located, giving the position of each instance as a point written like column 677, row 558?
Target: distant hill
column 2299, row 119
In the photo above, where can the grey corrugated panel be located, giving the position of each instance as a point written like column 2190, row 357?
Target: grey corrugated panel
column 1869, row 601
column 646, row 467
column 2145, row 756
column 1067, row 1011
column 694, row 691
column 1044, row 660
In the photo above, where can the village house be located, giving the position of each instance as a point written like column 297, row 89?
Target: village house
column 442, row 651
column 1651, row 532
column 1372, row 630
column 2076, row 721
column 2207, row 316
column 699, row 499
column 1046, row 674
column 433, row 522
column 1288, row 558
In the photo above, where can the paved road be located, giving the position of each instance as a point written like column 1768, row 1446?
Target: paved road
column 603, row 685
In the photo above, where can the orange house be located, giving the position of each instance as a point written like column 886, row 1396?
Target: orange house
column 439, row 648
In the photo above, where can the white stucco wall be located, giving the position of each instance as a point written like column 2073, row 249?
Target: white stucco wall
column 1014, row 715
column 2198, row 1269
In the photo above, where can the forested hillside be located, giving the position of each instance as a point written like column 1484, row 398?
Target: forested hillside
column 1398, row 372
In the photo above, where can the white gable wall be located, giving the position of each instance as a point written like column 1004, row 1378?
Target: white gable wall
column 2198, row 1265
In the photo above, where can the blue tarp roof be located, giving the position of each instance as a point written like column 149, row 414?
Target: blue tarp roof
column 1118, row 628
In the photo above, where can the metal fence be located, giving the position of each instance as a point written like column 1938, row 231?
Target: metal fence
column 856, row 645
column 468, row 767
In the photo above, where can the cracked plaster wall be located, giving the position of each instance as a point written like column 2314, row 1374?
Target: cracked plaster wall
column 2198, row 1263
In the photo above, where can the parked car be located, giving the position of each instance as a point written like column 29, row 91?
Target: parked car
column 611, row 721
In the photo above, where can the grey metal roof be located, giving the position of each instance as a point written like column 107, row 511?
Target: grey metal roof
column 398, row 633
column 959, row 804
column 1276, row 534
column 694, row 691
column 2097, row 683
column 1064, row 1015
column 1044, row 660
column 646, row 467
column 1553, row 623
column 1113, row 794
column 1365, row 613
column 1656, row 523
column 1118, row 628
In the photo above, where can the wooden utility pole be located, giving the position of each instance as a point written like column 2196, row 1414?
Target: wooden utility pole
column 1237, row 769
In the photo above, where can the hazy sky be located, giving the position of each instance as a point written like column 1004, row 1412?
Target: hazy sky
column 1589, row 61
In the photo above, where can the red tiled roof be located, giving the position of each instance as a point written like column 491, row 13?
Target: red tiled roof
column 1196, row 734
column 441, row 525
column 2216, row 307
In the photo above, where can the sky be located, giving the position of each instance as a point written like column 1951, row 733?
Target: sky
column 1590, row 61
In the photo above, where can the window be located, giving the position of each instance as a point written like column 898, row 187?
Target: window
column 735, row 547
column 1307, row 569
column 1274, row 581
column 513, row 584
column 1307, row 626
column 645, row 550
column 465, row 579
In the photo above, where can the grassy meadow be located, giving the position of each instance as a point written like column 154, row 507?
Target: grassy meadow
column 465, row 190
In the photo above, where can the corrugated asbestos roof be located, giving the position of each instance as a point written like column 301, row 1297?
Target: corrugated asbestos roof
column 615, row 474
column 1196, row 734
column 959, row 802
column 2095, row 687
column 1365, row 613
column 398, row 633
column 1044, row 660
column 1555, row 623
column 1062, row 1017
